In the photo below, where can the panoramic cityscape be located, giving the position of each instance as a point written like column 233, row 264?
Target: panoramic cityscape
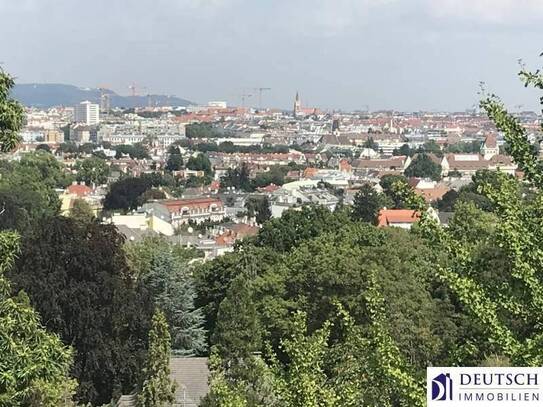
column 224, row 204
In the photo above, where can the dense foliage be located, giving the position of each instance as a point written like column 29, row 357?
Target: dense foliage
column 11, row 115
column 157, row 389
column 164, row 270
column 367, row 203
column 34, row 364
column 202, row 130
column 240, row 177
column 130, row 192
column 353, row 314
column 200, row 162
column 27, row 189
column 77, row 279
column 92, row 171
column 136, row 151
column 422, row 166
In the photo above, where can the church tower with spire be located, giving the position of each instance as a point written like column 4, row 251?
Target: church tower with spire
column 297, row 105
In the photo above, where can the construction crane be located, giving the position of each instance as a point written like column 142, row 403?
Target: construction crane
column 260, row 90
column 243, row 97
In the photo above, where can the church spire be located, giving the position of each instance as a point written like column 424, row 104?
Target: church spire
column 297, row 105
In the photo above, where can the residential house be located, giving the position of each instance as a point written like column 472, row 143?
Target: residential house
column 77, row 191
column 401, row 218
column 182, row 211
column 430, row 190
column 397, row 163
column 295, row 198
column 469, row 164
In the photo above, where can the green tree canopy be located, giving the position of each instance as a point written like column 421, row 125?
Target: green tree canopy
column 422, row 166
column 128, row 193
column 82, row 212
column 175, row 162
column 367, row 203
column 11, row 115
column 259, row 207
column 404, row 150
column 34, row 363
column 164, row 270
column 200, row 163
column 77, row 279
column 237, row 334
column 92, row 170
column 135, row 151
column 158, row 390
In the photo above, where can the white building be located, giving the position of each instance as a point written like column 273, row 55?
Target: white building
column 87, row 112
column 217, row 103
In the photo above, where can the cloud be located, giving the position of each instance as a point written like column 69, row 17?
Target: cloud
column 326, row 18
column 489, row 11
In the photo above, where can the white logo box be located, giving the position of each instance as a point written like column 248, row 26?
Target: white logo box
column 484, row 387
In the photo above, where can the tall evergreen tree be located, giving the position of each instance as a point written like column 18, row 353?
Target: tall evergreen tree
column 175, row 162
column 77, row 279
column 158, row 390
column 34, row 364
column 172, row 291
column 237, row 333
column 367, row 203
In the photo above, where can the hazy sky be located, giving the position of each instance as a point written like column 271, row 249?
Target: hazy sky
column 349, row 54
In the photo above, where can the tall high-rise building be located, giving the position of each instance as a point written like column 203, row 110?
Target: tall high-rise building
column 105, row 103
column 297, row 105
column 87, row 112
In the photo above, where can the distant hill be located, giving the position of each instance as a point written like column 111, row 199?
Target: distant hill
column 46, row 95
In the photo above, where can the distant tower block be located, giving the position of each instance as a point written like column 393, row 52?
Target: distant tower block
column 297, row 105
column 105, row 103
column 335, row 126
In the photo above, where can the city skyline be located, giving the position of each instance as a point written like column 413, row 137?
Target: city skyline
column 341, row 54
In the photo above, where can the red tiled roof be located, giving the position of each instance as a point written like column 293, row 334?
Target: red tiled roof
column 501, row 159
column 433, row 194
column 175, row 205
column 243, row 229
column 490, row 141
column 270, row 188
column 79, row 190
column 394, row 162
column 310, row 172
column 391, row 216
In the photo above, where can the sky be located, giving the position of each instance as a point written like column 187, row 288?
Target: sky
column 404, row 55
